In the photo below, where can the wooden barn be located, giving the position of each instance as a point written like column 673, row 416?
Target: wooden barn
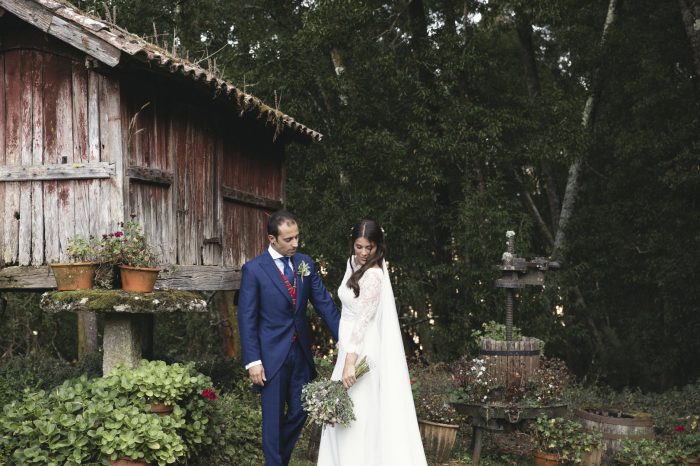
column 97, row 124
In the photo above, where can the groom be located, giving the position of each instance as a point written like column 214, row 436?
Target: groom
column 275, row 339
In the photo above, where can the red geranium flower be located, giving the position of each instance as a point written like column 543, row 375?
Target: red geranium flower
column 118, row 234
column 680, row 429
column 209, row 394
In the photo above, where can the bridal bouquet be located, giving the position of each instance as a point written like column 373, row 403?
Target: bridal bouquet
column 327, row 401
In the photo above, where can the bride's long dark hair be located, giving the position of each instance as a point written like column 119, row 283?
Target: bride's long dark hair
column 372, row 232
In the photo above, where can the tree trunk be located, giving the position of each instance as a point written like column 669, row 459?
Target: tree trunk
column 690, row 10
column 573, row 181
column 524, row 29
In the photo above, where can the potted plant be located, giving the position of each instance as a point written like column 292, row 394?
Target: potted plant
column 562, row 441
column 474, row 382
column 438, row 421
column 79, row 272
column 130, row 436
column 644, row 452
column 161, row 385
column 136, row 258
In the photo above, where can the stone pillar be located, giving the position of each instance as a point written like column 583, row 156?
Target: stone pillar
column 121, row 343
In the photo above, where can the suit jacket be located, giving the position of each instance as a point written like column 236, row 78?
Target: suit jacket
column 267, row 319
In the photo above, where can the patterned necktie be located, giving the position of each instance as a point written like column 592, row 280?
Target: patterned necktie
column 288, row 270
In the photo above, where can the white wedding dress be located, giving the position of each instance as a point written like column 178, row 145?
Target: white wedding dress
column 385, row 432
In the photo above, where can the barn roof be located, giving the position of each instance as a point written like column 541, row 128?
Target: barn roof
column 113, row 46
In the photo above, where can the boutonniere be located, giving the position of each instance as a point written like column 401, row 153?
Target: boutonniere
column 303, row 270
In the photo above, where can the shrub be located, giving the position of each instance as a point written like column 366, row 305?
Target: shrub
column 38, row 371
column 433, row 387
column 645, row 452
column 86, row 420
column 234, row 433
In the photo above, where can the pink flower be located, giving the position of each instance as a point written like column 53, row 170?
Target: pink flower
column 118, row 234
column 209, row 394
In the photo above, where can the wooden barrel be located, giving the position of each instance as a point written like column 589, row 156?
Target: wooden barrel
column 511, row 362
column 615, row 425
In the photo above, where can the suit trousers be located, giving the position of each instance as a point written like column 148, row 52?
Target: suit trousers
column 281, row 428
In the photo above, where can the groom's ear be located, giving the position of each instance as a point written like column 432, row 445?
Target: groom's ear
column 271, row 238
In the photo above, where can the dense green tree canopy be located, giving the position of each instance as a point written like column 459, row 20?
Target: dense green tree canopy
column 452, row 121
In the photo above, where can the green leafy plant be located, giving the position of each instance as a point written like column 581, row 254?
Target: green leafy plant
column 158, row 382
column 645, row 452
column 494, row 330
column 88, row 420
column 565, row 438
column 686, row 443
column 80, row 249
column 234, row 431
column 433, row 390
column 129, row 431
column 129, row 246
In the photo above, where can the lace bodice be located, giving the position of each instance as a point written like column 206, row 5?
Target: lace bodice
column 358, row 312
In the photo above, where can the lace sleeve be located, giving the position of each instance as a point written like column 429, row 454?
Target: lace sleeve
column 367, row 303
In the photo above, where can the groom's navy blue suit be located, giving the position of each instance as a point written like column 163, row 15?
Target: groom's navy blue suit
column 277, row 333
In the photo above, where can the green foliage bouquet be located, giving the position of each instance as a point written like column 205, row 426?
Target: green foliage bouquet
column 129, row 246
column 565, row 438
column 327, row 401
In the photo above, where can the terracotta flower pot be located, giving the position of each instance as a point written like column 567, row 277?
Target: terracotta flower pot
column 77, row 276
column 161, row 409
column 128, row 462
column 438, row 439
column 547, row 459
column 138, row 279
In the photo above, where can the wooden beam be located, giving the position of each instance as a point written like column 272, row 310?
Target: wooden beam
column 29, row 11
column 199, row 277
column 73, row 34
column 65, row 171
column 235, row 195
column 171, row 277
column 82, row 40
column 150, row 175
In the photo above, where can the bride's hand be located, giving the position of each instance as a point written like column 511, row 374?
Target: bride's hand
column 349, row 378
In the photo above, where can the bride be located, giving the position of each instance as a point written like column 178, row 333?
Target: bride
column 385, row 432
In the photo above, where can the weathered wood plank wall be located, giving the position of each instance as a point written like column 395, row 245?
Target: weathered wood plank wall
column 194, row 154
column 50, row 115
column 200, row 180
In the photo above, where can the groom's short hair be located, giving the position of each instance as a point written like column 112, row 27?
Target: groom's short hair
column 277, row 219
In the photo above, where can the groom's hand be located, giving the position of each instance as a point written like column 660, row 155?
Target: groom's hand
column 257, row 375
